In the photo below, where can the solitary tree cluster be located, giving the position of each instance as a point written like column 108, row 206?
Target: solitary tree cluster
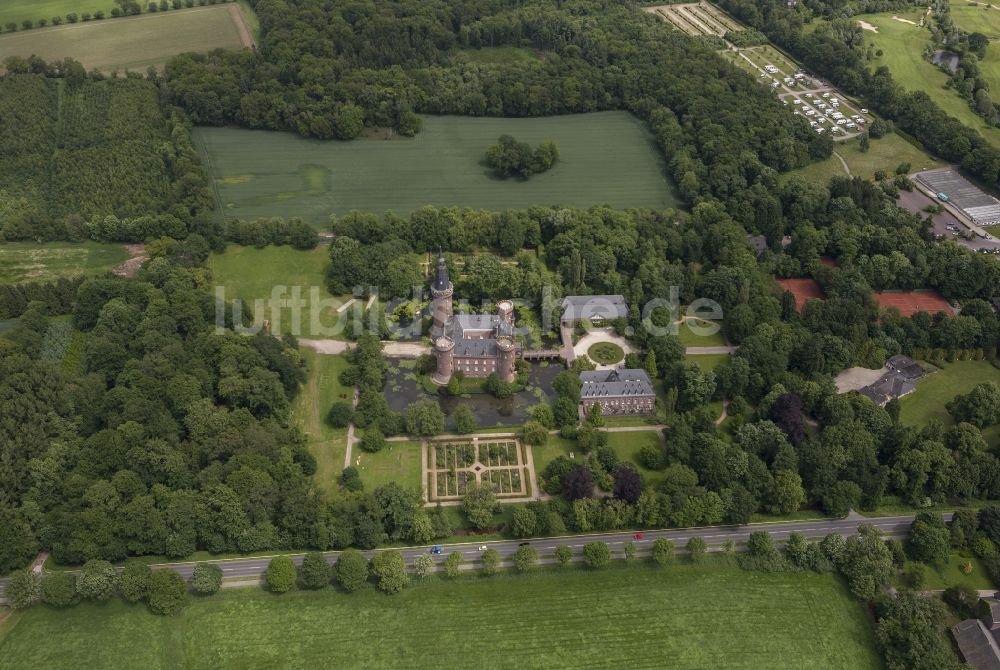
column 510, row 158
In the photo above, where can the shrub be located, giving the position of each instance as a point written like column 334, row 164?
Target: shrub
column 206, row 578
column 453, row 564
column 86, row 16
column 27, row 24
column 167, row 592
column 351, row 570
column 72, row 17
column 96, row 581
column 56, row 20
column 390, row 570
column 596, row 554
column 340, row 415
column 662, row 550
column 24, row 589
column 42, row 23
column 315, row 571
column 525, row 558
column 350, row 479
column 11, row 27
column 59, row 589
column 491, row 561
column 696, row 549
column 373, row 440
column 564, row 554
column 99, row 14
column 133, row 583
column 281, row 574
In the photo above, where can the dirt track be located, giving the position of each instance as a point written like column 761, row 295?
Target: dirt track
column 240, row 21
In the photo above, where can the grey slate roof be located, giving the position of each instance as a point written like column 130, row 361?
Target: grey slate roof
column 579, row 307
column 464, row 322
column 615, row 383
column 906, row 366
column 978, row 647
column 891, row 385
column 484, row 348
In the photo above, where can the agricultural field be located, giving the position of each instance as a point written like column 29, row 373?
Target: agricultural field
column 135, row 42
column 573, row 618
column 937, row 389
column 251, row 274
column 15, row 11
column 397, row 462
column 696, row 19
column 885, row 153
column 321, row 390
column 903, row 45
column 604, row 157
column 28, row 261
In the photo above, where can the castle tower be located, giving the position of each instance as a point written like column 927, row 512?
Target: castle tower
column 505, row 310
column 506, row 353
column 441, row 292
column 444, row 350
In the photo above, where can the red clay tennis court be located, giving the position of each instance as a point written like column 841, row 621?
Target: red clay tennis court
column 803, row 290
column 910, row 302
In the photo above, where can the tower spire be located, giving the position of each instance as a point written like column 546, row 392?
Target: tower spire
column 441, row 281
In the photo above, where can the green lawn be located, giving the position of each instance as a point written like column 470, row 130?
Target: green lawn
column 323, row 388
column 605, row 353
column 689, row 339
column 884, row 153
column 28, row 261
column 936, row 389
column 982, row 18
column 684, row 617
column 949, row 574
column 251, row 274
column 134, row 42
column 707, row 362
column 902, row 45
column 627, row 446
column 605, row 157
column 398, row 462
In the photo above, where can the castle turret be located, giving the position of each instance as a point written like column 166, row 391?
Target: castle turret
column 505, row 310
column 441, row 292
column 506, row 354
column 444, row 350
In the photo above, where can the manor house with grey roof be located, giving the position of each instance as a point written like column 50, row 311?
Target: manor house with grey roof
column 477, row 345
column 625, row 392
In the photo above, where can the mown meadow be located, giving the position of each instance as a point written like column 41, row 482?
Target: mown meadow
column 604, row 157
column 684, row 616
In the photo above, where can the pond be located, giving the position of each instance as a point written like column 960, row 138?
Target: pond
column 402, row 390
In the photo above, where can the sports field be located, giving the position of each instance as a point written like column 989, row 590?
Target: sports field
column 28, row 261
column 604, row 157
column 252, row 274
column 903, row 45
column 804, row 289
column 681, row 617
column 135, row 42
column 910, row 302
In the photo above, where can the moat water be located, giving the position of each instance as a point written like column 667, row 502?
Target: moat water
column 402, row 389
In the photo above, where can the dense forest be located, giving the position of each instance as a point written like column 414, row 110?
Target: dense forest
column 326, row 69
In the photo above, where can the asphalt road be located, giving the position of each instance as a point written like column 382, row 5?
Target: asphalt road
column 248, row 569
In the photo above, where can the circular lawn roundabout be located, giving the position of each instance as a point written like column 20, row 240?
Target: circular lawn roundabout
column 606, row 353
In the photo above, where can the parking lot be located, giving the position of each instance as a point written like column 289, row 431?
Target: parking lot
column 946, row 225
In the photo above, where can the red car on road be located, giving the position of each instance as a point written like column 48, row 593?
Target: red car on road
column 638, row 536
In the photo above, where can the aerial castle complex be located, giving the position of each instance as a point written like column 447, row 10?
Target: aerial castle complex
column 475, row 344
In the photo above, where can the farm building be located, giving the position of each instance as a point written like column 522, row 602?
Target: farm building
column 981, row 207
column 594, row 308
column 627, row 392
